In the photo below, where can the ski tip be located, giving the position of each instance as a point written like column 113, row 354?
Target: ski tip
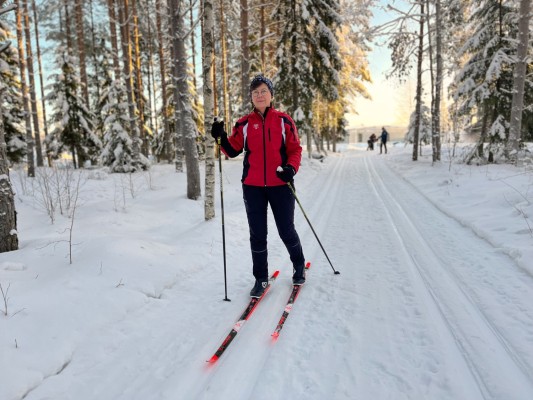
column 275, row 335
column 275, row 274
column 213, row 359
column 308, row 264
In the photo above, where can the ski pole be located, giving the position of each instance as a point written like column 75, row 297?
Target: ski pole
column 309, row 222
column 222, row 209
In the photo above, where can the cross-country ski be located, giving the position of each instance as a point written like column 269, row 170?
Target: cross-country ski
column 288, row 307
column 248, row 311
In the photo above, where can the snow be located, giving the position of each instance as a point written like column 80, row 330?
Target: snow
column 434, row 299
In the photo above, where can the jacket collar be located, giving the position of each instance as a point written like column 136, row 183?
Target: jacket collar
column 262, row 115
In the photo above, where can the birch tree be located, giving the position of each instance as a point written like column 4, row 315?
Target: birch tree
column 207, row 75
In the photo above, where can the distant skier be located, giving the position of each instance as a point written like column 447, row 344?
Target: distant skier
column 384, row 137
column 272, row 155
column 371, row 141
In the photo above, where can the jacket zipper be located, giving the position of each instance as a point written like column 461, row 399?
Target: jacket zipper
column 264, row 152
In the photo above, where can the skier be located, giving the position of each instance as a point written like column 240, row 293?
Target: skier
column 371, row 141
column 272, row 155
column 384, row 138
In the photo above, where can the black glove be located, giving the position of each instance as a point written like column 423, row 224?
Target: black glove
column 217, row 129
column 286, row 174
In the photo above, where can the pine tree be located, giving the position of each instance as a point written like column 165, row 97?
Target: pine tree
column 424, row 131
column 73, row 121
column 483, row 86
column 102, row 78
column 118, row 153
column 8, row 220
column 519, row 78
column 307, row 57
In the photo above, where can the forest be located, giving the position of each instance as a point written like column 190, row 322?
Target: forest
column 123, row 84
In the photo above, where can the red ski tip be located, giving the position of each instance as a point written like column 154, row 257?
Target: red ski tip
column 275, row 335
column 308, row 264
column 213, row 359
column 275, row 274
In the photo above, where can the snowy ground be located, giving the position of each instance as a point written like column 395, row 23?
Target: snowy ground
column 434, row 300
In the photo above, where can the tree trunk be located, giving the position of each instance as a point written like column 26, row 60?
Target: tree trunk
column 24, row 90
column 113, row 34
column 97, row 88
column 68, row 33
column 138, row 78
column 183, row 102
column 245, row 55
column 80, row 34
column 151, row 86
column 167, row 137
column 124, row 15
column 193, row 48
column 180, row 129
column 519, row 77
column 39, row 62
column 207, row 74
column 418, row 106
column 31, row 79
column 224, row 57
column 432, row 76
column 8, row 219
column 438, row 82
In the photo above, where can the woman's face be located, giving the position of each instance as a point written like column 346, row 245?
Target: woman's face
column 261, row 97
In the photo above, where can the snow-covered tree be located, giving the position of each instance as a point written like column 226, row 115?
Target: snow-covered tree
column 8, row 220
column 118, row 153
column 101, row 78
column 483, row 86
column 424, row 133
column 519, row 77
column 73, row 122
column 307, row 57
column 12, row 102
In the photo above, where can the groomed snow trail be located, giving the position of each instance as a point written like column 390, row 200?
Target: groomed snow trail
column 423, row 308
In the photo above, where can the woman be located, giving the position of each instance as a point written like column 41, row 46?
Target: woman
column 272, row 155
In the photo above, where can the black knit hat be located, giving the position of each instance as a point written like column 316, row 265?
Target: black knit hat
column 258, row 80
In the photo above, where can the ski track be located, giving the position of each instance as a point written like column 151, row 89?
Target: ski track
column 499, row 369
column 413, row 314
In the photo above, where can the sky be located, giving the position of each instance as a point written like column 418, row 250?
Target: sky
column 390, row 102
column 434, row 299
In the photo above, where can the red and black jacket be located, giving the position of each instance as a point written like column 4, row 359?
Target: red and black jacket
column 268, row 141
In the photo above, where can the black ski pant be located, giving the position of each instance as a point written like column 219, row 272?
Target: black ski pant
column 282, row 203
column 383, row 144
